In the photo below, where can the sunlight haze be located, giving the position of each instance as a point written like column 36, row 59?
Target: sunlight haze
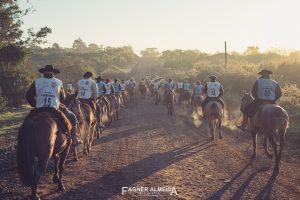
column 170, row 24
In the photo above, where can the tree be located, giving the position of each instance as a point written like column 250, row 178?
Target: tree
column 252, row 50
column 79, row 45
column 93, row 47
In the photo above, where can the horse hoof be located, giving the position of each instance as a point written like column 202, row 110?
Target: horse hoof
column 75, row 159
column 55, row 178
column 61, row 188
column 85, row 153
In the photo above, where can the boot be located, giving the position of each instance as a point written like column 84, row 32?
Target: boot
column 244, row 123
column 75, row 140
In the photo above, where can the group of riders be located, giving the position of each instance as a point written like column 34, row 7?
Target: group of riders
column 48, row 91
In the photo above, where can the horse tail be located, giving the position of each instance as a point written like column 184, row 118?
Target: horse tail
column 25, row 153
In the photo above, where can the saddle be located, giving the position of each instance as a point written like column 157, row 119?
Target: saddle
column 61, row 119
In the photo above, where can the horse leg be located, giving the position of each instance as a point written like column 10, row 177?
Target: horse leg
column 254, row 138
column 39, row 167
column 282, row 141
column 55, row 176
column 277, row 161
column 75, row 157
column 220, row 128
column 211, row 129
column 266, row 148
column 63, row 156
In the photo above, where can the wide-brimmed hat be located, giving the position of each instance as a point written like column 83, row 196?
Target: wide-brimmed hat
column 49, row 68
column 265, row 71
column 213, row 77
column 88, row 75
column 99, row 78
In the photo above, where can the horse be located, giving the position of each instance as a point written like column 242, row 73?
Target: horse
column 156, row 97
column 185, row 98
column 169, row 101
column 40, row 138
column 269, row 120
column 214, row 112
column 143, row 90
column 132, row 95
column 103, row 107
column 125, row 97
column 87, row 122
column 198, row 99
column 151, row 89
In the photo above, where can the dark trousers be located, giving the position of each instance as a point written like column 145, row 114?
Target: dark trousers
column 69, row 114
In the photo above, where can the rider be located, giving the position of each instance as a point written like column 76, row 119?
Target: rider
column 109, row 87
column 116, row 86
column 186, row 85
column 131, row 83
column 214, row 91
column 48, row 91
column 264, row 90
column 198, row 90
column 101, row 86
column 69, row 87
column 88, row 90
column 123, row 86
column 179, row 85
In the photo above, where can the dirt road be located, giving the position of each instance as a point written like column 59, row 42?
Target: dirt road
column 148, row 148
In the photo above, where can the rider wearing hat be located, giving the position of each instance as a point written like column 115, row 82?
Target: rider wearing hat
column 116, row 86
column 214, row 91
column 101, row 86
column 88, row 90
column 264, row 90
column 48, row 91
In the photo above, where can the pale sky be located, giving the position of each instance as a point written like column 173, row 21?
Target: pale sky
column 170, row 24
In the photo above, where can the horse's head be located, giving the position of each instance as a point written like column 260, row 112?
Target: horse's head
column 246, row 99
column 72, row 102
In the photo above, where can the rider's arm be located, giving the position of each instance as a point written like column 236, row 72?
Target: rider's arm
column 221, row 91
column 31, row 94
column 278, row 92
column 254, row 90
column 205, row 89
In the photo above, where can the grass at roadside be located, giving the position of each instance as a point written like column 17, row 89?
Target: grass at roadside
column 12, row 119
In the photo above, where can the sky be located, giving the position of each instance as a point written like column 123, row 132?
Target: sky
column 170, row 24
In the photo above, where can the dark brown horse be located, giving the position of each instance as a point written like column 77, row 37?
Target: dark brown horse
column 269, row 120
column 143, row 90
column 214, row 113
column 103, row 107
column 39, row 139
column 169, row 95
column 87, row 121
column 132, row 95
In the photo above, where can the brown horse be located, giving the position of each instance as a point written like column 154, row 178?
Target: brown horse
column 39, row 139
column 103, row 107
column 125, row 97
column 214, row 113
column 269, row 120
column 185, row 98
column 143, row 90
column 169, row 101
column 132, row 95
column 87, row 121
column 198, row 99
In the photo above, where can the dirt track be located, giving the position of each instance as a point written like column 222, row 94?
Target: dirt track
column 148, row 148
